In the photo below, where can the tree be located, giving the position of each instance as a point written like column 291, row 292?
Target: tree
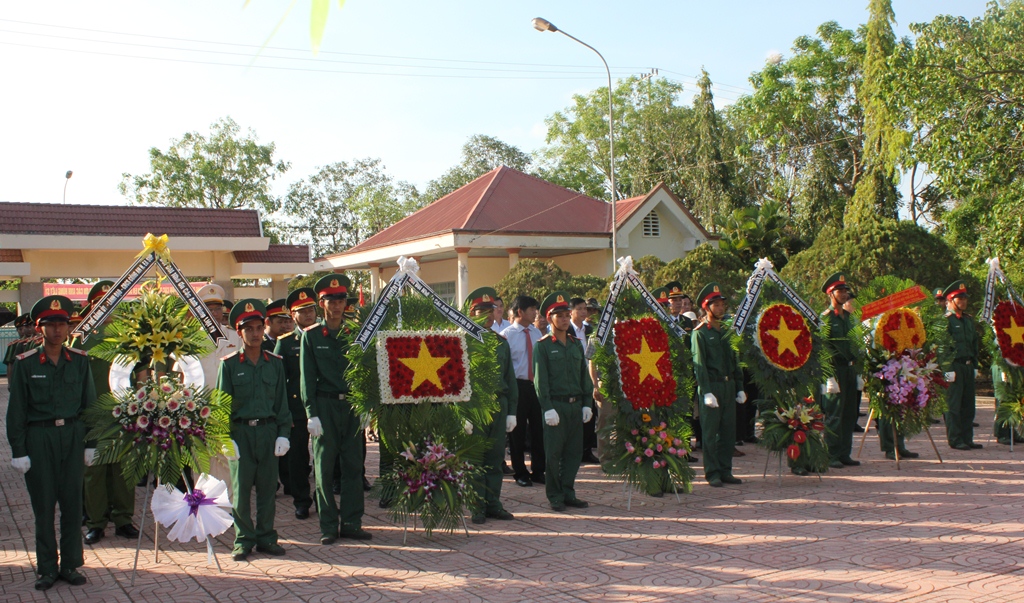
column 480, row 155
column 711, row 189
column 647, row 268
column 751, row 233
column 703, row 265
column 343, row 204
column 223, row 171
column 532, row 277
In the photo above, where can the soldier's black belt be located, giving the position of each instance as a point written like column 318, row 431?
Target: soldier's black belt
column 967, row 362
column 721, row 380
column 253, row 422
column 332, row 396
column 567, row 399
column 53, row 423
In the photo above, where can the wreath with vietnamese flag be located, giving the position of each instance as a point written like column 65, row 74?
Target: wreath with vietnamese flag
column 900, row 329
column 1008, row 325
column 421, row 365
column 646, row 373
column 783, row 336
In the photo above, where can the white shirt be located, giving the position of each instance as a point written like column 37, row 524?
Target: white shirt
column 211, row 363
column 499, row 326
column 517, row 344
column 581, row 334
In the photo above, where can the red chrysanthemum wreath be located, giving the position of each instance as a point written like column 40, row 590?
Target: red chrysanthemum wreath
column 784, row 337
column 645, row 363
column 421, row 365
column 900, row 329
column 1008, row 322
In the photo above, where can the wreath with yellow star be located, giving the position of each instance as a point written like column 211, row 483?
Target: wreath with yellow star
column 900, row 329
column 645, row 363
column 784, row 337
column 1008, row 324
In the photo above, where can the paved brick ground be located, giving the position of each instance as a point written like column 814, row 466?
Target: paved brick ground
column 930, row 532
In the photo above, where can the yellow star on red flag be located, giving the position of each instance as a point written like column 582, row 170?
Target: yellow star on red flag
column 424, row 367
column 648, row 361
column 1016, row 332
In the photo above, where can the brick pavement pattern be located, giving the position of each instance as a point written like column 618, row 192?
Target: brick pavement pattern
column 930, row 532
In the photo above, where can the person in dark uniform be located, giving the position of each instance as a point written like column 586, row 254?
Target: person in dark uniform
column 279, row 322
column 26, row 340
column 480, row 304
column 301, row 305
column 719, row 381
column 522, row 336
column 960, row 397
column 50, row 387
column 332, row 423
column 565, row 395
column 841, row 402
column 677, row 305
column 260, row 423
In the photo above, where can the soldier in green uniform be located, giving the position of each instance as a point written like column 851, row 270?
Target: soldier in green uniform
column 51, row 386
column 841, row 402
column 301, row 304
column 279, row 322
column 26, row 332
column 960, row 399
column 108, row 496
column 481, row 303
column 260, row 423
column 332, row 422
column 719, row 387
column 565, row 393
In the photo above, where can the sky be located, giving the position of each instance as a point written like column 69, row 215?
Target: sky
column 92, row 86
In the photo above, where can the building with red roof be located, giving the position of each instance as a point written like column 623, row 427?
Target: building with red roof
column 474, row 235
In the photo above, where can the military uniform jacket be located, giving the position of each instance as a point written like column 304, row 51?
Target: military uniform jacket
column 322, row 357
column 508, row 389
column 964, row 333
column 838, row 342
column 287, row 347
column 100, row 367
column 41, row 391
column 257, row 390
column 560, row 371
column 714, row 360
column 268, row 344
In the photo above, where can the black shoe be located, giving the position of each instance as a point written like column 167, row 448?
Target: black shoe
column 45, row 581
column 935, row 421
column 524, row 482
column 72, row 577
column 271, row 549
column 906, row 454
column 537, row 479
column 751, row 440
column 327, row 539
column 961, row 447
column 691, row 459
column 479, row 519
column 800, row 471
column 301, row 512
column 861, row 414
column 336, row 488
column 736, row 452
column 849, row 462
column 558, row 507
column 728, row 479
column 93, row 536
column 892, row 455
column 975, row 424
column 590, row 459
column 857, row 428
column 975, row 446
column 357, row 534
column 1005, row 441
column 240, row 553
column 836, row 464
column 366, row 485
column 501, row 515
column 385, row 503
column 739, row 442
column 577, row 503
column 506, row 470
column 715, row 483
column 127, row 531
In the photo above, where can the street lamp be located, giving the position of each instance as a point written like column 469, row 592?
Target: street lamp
column 544, row 25
column 67, row 177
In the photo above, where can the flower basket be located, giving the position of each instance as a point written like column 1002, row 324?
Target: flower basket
column 798, row 432
column 436, row 484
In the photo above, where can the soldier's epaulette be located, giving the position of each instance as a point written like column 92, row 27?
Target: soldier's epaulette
column 700, row 326
column 232, row 354
column 77, row 351
column 548, row 336
column 27, row 354
column 288, row 334
column 272, row 354
column 826, row 312
column 500, row 336
column 948, row 314
column 312, row 326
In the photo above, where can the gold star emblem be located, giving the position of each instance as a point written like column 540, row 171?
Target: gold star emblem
column 424, row 367
column 903, row 335
column 786, row 338
column 1016, row 332
column 648, row 361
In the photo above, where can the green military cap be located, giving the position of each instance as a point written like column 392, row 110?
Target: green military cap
column 956, row 289
column 23, row 321
column 675, row 289
column 938, row 293
column 352, row 309
column 836, row 281
column 246, row 310
column 332, row 286
column 592, row 304
column 96, row 294
column 77, row 314
column 300, row 298
column 709, row 293
column 557, row 301
column 277, row 308
column 661, row 294
column 52, row 308
column 481, row 299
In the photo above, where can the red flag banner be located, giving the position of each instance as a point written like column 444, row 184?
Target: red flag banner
column 423, row 365
column 645, row 363
column 896, row 300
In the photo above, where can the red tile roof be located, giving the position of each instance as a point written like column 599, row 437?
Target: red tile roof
column 113, row 221
column 502, row 200
column 625, row 208
column 275, row 254
column 10, row 255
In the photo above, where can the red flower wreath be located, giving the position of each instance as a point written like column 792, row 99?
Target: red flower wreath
column 1008, row 323
column 645, row 363
column 784, row 337
column 444, row 355
column 900, row 329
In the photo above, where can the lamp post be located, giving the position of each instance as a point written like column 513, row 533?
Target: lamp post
column 67, row 177
column 544, row 25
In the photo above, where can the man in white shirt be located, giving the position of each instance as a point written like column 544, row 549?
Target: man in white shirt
column 578, row 314
column 522, row 336
column 500, row 324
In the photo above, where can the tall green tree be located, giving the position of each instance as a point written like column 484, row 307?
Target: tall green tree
column 225, row 170
column 480, row 155
column 711, row 193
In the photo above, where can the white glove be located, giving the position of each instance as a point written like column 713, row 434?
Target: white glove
column 468, row 427
column 588, row 414
column 860, row 383
column 950, row 377
column 710, row 401
column 551, row 417
column 90, row 456
column 314, row 427
column 510, row 423
column 281, row 446
column 1006, row 378
column 977, row 373
column 22, row 463
column 741, row 398
column 831, row 386
column 232, row 453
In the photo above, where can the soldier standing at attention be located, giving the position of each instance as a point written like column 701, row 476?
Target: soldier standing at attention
column 332, row 422
column 50, row 387
column 260, row 422
column 966, row 345
column 279, row 322
column 841, row 402
column 719, row 381
column 302, row 306
column 565, row 394
column 26, row 334
column 481, row 303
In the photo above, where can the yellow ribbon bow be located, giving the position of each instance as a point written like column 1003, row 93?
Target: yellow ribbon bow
column 157, row 245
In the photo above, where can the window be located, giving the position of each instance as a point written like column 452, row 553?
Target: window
column 445, row 291
column 652, row 225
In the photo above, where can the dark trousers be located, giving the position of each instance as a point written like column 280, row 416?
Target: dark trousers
column 296, row 476
column 590, row 433
column 841, row 413
column 55, row 479
column 961, row 406
column 528, row 419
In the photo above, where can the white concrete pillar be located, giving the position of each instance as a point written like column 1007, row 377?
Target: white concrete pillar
column 374, row 282
column 462, row 282
column 278, row 287
column 513, row 257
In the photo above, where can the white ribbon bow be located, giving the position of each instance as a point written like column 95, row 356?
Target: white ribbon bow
column 408, row 265
column 625, row 266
